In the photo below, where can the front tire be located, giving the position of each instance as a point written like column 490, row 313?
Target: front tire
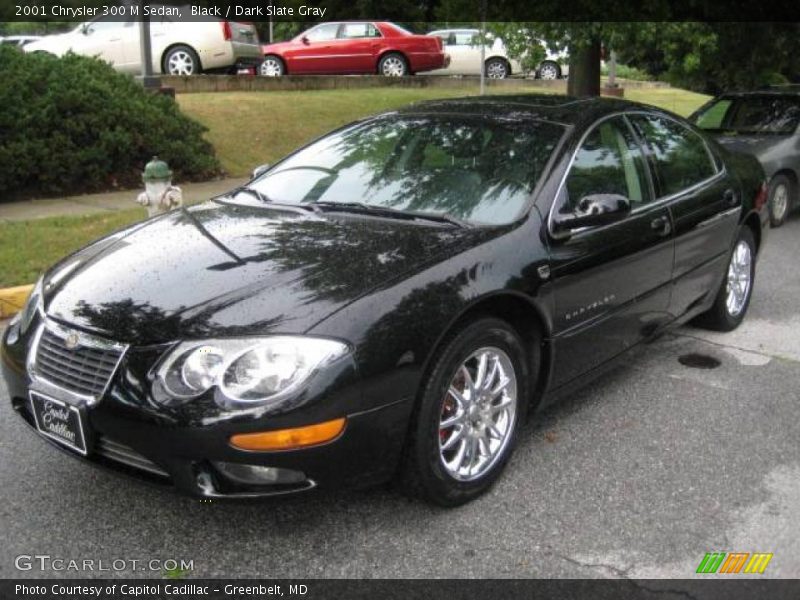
column 781, row 198
column 393, row 65
column 471, row 408
column 733, row 297
column 549, row 70
column 181, row 60
column 272, row 66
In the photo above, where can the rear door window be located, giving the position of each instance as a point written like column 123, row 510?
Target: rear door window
column 358, row 31
column 680, row 156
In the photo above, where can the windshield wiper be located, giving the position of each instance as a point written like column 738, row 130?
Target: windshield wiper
column 393, row 213
column 441, row 218
column 253, row 192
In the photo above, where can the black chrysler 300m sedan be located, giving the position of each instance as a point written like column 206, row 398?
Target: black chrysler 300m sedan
column 389, row 301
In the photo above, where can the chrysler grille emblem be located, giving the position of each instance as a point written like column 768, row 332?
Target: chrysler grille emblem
column 72, row 341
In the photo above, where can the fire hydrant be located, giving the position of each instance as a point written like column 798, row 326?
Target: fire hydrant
column 159, row 195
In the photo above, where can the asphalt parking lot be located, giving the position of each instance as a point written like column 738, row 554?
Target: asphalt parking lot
column 637, row 476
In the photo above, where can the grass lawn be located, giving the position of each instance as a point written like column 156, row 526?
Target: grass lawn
column 29, row 247
column 247, row 129
column 252, row 128
column 681, row 102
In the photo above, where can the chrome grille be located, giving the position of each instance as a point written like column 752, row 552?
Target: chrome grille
column 75, row 361
column 122, row 454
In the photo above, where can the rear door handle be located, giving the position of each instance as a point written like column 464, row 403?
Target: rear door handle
column 730, row 198
column 661, row 225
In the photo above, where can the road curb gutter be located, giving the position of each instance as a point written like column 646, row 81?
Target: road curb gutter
column 13, row 299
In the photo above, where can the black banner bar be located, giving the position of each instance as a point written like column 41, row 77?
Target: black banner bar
column 734, row 588
column 453, row 11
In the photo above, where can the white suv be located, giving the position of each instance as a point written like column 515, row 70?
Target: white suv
column 178, row 47
column 465, row 57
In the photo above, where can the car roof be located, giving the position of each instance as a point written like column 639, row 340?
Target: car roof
column 567, row 110
column 776, row 91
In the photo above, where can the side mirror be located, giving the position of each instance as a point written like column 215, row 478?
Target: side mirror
column 594, row 210
column 86, row 29
column 305, row 40
column 259, row 170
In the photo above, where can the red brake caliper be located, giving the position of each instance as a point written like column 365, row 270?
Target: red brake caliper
column 447, row 409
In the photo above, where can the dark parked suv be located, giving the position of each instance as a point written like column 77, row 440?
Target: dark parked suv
column 765, row 124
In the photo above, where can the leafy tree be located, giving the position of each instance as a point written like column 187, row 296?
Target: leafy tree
column 712, row 57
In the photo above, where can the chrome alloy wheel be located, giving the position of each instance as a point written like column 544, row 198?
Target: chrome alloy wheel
column 181, row 63
column 548, row 71
column 739, row 278
column 496, row 70
column 271, row 67
column 393, row 66
column 780, row 202
column 478, row 414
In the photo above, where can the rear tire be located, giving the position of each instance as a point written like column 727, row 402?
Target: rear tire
column 733, row 297
column 393, row 64
column 549, row 70
column 781, row 199
column 181, row 60
column 497, row 68
column 453, row 464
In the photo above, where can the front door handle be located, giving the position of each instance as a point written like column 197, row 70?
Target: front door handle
column 661, row 225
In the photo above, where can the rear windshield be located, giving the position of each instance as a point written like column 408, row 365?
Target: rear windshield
column 756, row 114
column 481, row 170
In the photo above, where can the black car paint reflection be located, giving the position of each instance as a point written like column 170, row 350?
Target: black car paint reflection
column 392, row 288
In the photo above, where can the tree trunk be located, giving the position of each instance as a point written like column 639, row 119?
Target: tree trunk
column 584, row 70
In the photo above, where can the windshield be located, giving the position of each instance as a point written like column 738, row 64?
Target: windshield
column 479, row 170
column 756, row 114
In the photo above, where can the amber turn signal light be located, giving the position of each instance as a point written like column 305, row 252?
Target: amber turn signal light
column 289, row 439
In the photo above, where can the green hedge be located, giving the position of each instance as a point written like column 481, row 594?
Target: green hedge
column 74, row 125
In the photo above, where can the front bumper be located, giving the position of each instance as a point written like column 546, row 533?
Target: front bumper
column 127, row 434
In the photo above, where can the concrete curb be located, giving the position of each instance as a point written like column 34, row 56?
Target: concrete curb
column 12, row 300
column 187, row 84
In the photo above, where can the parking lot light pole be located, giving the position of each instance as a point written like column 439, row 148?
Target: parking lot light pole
column 483, row 47
column 149, row 81
column 483, row 57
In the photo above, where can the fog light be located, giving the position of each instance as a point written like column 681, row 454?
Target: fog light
column 287, row 439
column 258, row 475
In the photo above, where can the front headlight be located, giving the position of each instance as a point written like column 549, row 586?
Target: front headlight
column 248, row 371
column 34, row 304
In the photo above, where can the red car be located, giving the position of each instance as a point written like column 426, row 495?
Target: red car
column 354, row 47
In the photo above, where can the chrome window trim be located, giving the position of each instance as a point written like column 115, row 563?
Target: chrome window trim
column 656, row 202
column 86, row 340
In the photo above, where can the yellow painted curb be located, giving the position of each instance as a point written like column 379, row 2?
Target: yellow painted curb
column 13, row 299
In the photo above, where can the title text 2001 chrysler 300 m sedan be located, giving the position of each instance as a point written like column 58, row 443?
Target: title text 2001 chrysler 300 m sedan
column 390, row 300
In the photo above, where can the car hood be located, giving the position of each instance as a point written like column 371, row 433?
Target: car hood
column 57, row 44
column 220, row 270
